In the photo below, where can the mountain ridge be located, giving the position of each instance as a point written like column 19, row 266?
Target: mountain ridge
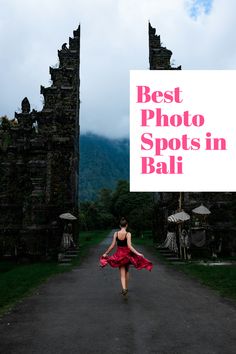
column 103, row 161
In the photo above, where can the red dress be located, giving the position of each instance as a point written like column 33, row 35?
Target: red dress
column 124, row 257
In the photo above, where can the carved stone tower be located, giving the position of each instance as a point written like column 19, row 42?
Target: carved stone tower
column 159, row 57
column 222, row 205
column 39, row 158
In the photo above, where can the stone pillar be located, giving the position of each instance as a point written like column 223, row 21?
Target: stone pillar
column 159, row 59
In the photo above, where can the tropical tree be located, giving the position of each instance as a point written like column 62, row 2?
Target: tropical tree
column 136, row 207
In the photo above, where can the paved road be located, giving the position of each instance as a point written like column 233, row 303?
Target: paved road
column 83, row 312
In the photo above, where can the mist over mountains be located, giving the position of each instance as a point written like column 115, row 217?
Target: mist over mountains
column 103, row 162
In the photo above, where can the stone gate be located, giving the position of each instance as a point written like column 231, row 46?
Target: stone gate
column 39, row 156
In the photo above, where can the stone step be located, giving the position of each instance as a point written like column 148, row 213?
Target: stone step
column 65, row 260
column 73, row 249
column 70, row 255
column 75, row 253
column 173, row 259
column 167, row 254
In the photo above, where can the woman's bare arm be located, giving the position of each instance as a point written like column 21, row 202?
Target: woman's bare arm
column 112, row 245
column 130, row 245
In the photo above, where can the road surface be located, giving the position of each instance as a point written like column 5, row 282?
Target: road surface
column 83, row 312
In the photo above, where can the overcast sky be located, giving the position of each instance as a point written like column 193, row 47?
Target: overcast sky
column 114, row 39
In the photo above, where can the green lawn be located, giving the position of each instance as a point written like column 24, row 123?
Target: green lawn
column 17, row 281
column 22, row 279
column 88, row 239
column 145, row 239
column 221, row 278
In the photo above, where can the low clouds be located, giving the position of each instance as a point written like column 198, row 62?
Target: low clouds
column 114, row 35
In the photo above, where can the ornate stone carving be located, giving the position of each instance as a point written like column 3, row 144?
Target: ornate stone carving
column 159, row 56
column 39, row 172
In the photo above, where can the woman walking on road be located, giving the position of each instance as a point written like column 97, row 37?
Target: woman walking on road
column 124, row 256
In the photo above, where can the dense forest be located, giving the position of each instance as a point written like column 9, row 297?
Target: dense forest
column 110, row 206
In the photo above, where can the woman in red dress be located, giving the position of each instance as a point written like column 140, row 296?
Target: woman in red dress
column 124, row 256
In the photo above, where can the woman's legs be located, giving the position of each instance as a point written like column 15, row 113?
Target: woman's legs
column 123, row 277
column 126, row 276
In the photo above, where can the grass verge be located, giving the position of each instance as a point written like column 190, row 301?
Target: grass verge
column 88, row 239
column 18, row 281
column 22, row 280
column 221, row 278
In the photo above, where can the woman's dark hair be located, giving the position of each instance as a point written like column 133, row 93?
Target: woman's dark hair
column 123, row 222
